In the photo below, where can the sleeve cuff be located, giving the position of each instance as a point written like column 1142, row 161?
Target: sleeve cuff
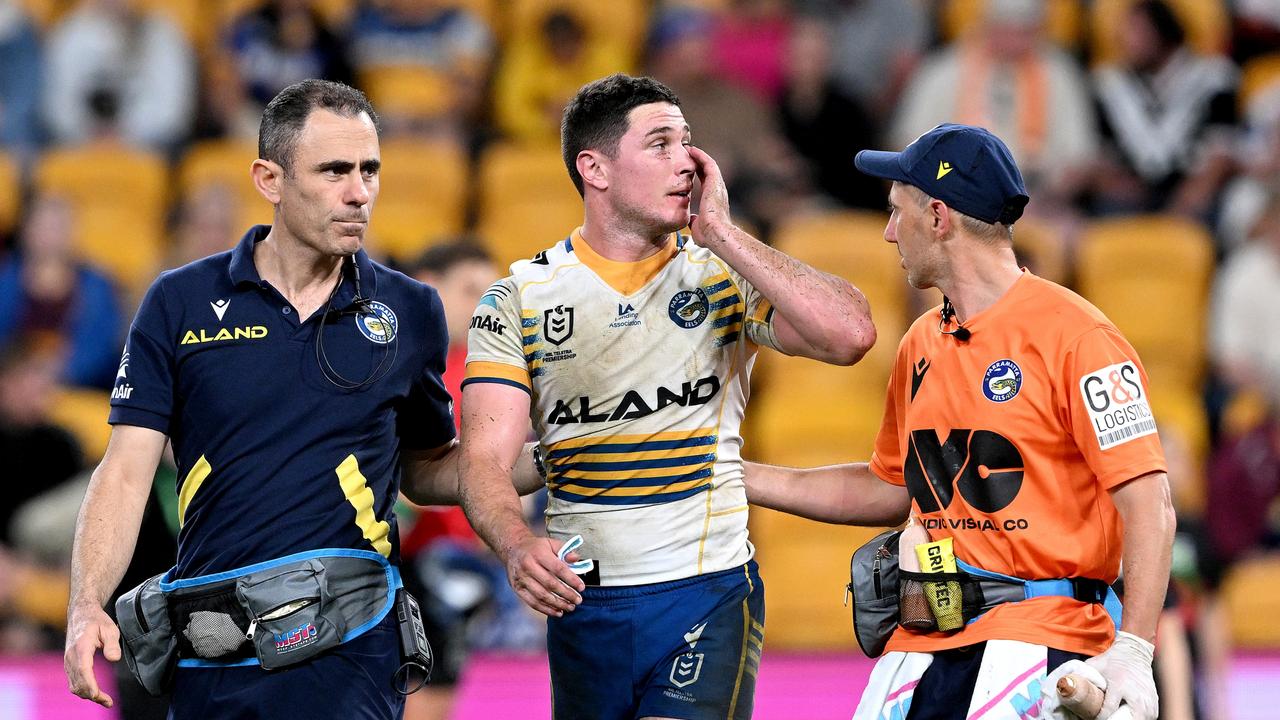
column 139, row 417
column 500, row 373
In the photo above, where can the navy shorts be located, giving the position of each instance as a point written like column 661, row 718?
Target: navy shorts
column 351, row 682
column 687, row 649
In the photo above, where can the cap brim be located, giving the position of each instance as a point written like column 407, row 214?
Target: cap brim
column 882, row 164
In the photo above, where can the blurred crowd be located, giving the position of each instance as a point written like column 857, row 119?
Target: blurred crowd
column 127, row 128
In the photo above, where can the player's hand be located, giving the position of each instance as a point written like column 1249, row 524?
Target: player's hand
column 88, row 630
column 713, row 199
column 541, row 579
column 1126, row 665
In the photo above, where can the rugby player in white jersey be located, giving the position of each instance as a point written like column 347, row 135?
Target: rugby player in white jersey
column 629, row 346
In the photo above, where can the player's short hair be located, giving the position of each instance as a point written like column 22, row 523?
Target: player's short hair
column 596, row 118
column 287, row 113
column 440, row 259
column 990, row 233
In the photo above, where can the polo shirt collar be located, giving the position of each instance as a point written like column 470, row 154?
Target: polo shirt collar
column 243, row 270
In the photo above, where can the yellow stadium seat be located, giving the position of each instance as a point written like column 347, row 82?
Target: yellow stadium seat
column 83, row 413
column 1150, row 275
column 10, row 192
column 1206, row 21
column 1063, row 20
column 618, row 20
column 805, row 566
column 423, row 196
column 226, row 163
column 851, row 244
column 1184, row 433
column 1251, row 600
column 120, row 197
column 527, row 201
column 45, row 12
column 409, row 91
column 1259, row 76
column 1041, row 249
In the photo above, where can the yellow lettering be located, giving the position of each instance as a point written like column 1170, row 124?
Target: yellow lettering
column 248, row 332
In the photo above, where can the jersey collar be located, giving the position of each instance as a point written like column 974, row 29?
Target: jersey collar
column 243, row 270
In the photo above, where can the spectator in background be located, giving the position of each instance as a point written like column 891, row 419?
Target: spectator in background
column 48, row 295
column 1247, row 291
column 1005, row 77
column 116, row 68
column 444, row 50
column 1256, row 28
column 762, row 171
column 207, row 222
column 539, row 74
column 823, row 124
column 20, row 75
column 38, row 456
column 749, row 43
column 283, row 42
column 444, row 563
column 1245, row 197
column 1168, row 117
column 876, row 45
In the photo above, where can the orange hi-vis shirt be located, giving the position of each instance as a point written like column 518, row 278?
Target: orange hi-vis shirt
column 1009, row 444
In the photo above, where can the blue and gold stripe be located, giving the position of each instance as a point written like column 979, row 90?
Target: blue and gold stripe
column 726, row 308
column 531, row 340
column 633, row 469
column 480, row 371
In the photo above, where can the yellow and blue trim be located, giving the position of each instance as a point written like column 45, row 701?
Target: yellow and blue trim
column 633, row 469
column 480, row 371
column 531, row 341
column 726, row 308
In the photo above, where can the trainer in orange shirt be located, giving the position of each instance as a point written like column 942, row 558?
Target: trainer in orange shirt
column 1018, row 420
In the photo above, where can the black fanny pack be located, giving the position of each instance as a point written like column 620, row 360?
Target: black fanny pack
column 884, row 596
column 274, row 614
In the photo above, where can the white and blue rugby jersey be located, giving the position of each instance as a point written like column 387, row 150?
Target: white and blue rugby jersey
column 638, row 374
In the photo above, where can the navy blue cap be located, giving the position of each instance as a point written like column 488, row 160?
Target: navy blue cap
column 965, row 167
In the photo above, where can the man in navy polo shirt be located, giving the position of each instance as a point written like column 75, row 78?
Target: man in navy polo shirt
column 296, row 379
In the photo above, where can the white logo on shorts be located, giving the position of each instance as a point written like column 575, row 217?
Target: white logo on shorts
column 686, row 669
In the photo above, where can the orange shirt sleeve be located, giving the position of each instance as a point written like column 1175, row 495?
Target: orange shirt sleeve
column 1108, row 409
column 886, row 458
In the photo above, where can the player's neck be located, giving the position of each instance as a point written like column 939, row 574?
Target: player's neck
column 978, row 279
column 303, row 275
column 614, row 241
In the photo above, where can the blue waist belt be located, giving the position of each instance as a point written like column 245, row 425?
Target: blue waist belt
column 279, row 612
column 1003, row 588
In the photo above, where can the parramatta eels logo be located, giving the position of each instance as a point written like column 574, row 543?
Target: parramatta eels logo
column 688, row 308
column 1002, row 381
column 378, row 323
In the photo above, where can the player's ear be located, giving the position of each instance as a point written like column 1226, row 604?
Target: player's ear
column 268, row 177
column 940, row 218
column 592, row 169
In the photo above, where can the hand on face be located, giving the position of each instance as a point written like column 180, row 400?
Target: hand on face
column 713, row 198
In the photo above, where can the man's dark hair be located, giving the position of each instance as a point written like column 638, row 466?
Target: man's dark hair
column 596, row 118
column 287, row 113
column 440, row 259
column 1165, row 21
